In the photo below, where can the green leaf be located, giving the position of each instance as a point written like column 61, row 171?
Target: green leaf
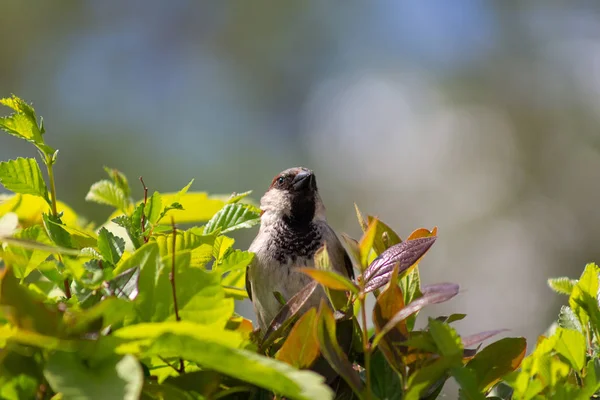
column 301, row 347
column 108, row 193
column 572, row 346
column 56, row 231
column 562, row 285
column 330, row 279
column 235, row 260
column 411, row 289
column 568, row 320
column 467, row 381
column 111, row 247
column 361, row 219
column 583, row 300
column 236, row 197
column 427, row 379
column 445, row 337
column 32, row 257
column 23, row 123
column 107, row 312
column 22, row 309
column 114, row 378
column 496, row 360
column 385, row 382
column 219, row 350
column 24, row 176
column 331, row 350
column 591, row 382
column 232, row 217
column 119, row 179
column 153, row 208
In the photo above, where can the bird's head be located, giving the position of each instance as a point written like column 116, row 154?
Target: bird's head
column 293, row 196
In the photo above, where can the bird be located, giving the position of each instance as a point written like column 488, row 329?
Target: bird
column 292, row 228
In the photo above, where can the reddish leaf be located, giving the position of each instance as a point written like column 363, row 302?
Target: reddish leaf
column 287, row 314
column 480, row 337
column 405, row 254
column 422, row 233
column 432, row 294
column 389, row 303
column 301, row 347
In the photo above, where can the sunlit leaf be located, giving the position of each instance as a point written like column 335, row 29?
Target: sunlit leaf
column 232, row 217
column 422, row 233
column 153, row 207
column 219, row 350
column 330, row 279
column 384, row 235
column 567, row 319
column 562, row 285
column 235, row 260
column 56, row 230
column 119, row 179
column 29, row 208
column 572, row 346
column 361, row 220
column 24, row 176
column 301, row 347
column 108, row 193
column 365, row 245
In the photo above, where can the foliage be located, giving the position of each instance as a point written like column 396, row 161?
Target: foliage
column 565, row 362
column 140, row 307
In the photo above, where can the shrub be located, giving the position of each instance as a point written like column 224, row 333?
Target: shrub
column 142, row 306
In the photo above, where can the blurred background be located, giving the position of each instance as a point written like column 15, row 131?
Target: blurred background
column 479, row 117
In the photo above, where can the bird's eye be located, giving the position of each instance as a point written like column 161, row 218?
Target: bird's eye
column 280, row 180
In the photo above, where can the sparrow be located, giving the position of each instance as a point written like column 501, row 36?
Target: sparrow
column 292, row 228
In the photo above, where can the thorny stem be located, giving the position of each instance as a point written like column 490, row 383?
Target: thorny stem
column 143, row 215
column 49, row 166
column 172, row 279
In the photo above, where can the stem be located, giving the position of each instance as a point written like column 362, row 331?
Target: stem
column 366, row 344
column 144, row 215
column 50, row 168
column 172, row 279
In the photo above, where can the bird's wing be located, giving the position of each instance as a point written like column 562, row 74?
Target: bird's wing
column 248, row 284
column 348, row 265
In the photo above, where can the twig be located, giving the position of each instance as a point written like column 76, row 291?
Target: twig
column 144, row 215
column 172, row 279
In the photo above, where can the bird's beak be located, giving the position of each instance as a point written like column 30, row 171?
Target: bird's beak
column 302, row 179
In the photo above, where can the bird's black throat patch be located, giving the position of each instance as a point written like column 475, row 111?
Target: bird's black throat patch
column 295, row 242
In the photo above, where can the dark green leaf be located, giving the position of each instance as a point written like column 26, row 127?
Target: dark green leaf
column 114, row 378
column 331, row 350
column 467, row 381
column 55, row 229
column 385, row 381
column 497, row 360
column 428, row 379
column 235, row 260
column 111, row 247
